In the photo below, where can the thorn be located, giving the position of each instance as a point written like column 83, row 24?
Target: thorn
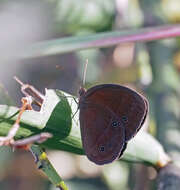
column 18, row 80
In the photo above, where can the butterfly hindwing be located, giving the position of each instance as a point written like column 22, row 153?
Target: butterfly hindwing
column 104, row 139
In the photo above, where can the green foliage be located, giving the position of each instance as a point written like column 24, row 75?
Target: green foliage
column 55, row 117
column 74, row 17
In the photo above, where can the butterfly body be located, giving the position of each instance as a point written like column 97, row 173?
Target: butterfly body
column 110, row 115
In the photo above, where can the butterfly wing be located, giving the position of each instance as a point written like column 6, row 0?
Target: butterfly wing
column 102, row 141
column 129, row 106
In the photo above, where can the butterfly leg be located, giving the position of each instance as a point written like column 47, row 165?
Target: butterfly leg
column 76, row 109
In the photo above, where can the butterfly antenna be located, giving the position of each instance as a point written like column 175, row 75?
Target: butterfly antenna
column 84, row 74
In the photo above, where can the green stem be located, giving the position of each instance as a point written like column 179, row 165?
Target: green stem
column 44, row 164
column 69, row 44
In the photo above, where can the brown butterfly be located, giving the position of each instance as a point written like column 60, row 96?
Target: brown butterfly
column 110, row 115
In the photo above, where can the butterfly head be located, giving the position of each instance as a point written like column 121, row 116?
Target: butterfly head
column 82, row 91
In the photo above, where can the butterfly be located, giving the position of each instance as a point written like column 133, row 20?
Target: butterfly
column 110, row 115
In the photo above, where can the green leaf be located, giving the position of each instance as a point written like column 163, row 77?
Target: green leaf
column 104, row 39
column 144, row 148
column 54, row 117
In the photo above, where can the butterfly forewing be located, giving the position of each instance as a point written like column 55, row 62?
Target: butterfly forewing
column 129, row 106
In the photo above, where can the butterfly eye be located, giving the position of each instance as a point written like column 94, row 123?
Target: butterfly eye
column 102, row 149
column 124, row 119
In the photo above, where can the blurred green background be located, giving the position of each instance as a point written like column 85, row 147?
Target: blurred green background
column 152, row 68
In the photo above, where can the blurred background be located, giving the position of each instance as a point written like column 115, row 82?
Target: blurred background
column 152, row 69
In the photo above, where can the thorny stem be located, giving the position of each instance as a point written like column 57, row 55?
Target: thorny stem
column 40, row 138
column 8, row 140
column 26, row 105
column 27, row 143
column 29, row 90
